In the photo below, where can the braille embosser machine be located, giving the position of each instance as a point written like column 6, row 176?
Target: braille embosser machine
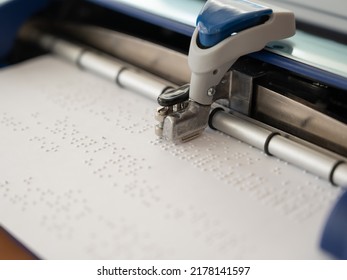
column 237, row 69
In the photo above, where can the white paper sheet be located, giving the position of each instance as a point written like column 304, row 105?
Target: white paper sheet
column 82, row 175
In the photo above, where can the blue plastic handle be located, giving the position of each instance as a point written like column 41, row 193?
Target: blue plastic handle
column 334, row 239
column 219, row 19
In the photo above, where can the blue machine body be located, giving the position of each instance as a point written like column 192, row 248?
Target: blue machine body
column 334, row 238
column 13, row 14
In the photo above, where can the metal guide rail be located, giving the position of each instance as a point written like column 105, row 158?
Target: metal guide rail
column 323, row 163
column 110, row 68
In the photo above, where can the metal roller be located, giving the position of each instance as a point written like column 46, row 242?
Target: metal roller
column 103, row 65
column 323, row 165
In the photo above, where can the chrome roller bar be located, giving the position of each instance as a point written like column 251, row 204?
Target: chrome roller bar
column 326, row 166
column 108, row 67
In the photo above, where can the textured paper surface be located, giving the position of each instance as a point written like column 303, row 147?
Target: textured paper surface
column 82, row 175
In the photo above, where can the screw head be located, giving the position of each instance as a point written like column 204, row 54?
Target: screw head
column 211, row 91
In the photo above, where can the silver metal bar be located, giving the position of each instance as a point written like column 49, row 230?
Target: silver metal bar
column 339, row 176
column 312, row 125
column 100, row 65
column 241, row 129
column 62, row 48
column 161, row 61
column 323, row 165
column 103, row 65
column 299, row 155
column 136, row 81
